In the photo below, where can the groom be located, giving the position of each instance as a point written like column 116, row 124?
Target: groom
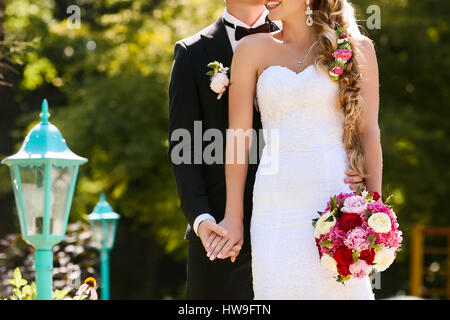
column 201, row 187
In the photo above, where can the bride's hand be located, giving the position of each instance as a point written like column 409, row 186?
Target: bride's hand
column 231, row 243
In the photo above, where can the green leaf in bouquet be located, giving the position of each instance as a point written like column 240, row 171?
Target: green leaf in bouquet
column 333, row 203
column 372, row 242
column 327, row 243
column 369, row 196
column 211, row 73
column 342, row 279
column 388, row 200
column 314, row 222
column 358, row 190
column 320, row 213
column 368, row 214
column 377, row 247
column 338, row 213
column 355, row 256
column 330, row 218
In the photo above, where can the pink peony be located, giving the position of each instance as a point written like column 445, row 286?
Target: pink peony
column 342, row 196
column 356, row 239
column 395, row 225
column 340, row 199
column 337, row 237
column 390, row 239
column 381, row 207
column 337, row 70
column 343, row 54
column 360, row 269
column 354, row 204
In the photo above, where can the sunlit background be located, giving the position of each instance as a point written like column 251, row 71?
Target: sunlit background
column 107, row 86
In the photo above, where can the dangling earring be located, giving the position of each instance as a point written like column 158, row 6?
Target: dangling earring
column 308, row 12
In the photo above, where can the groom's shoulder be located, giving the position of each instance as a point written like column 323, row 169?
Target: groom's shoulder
column 194, row 41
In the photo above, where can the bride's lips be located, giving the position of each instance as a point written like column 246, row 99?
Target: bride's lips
column 272, row 5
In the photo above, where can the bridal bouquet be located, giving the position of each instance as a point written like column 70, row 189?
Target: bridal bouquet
column 356, row 235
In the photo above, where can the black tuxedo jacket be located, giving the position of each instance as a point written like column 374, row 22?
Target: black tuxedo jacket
column 201, row 187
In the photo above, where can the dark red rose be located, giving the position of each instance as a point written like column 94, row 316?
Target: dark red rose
column 348, row 221
column 343, row 270
column 343, row 256
column 367, row 255
column 376, row 195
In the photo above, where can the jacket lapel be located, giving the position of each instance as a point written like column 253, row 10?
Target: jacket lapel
column 217, row 44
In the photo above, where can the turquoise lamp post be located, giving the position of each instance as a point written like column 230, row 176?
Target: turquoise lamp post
column 104, row 225
column 44, row 174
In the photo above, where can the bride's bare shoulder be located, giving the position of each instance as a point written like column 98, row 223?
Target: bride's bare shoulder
column 252, row 45
column 366, row 56
column 365, row 47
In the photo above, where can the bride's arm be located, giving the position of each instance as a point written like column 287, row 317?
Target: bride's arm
column 240, row 124
column 369, row 129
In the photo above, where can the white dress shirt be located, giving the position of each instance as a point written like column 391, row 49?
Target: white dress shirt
column 230, row 31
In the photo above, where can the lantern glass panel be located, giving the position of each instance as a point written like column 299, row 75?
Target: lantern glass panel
column 61, row 178
column 97, row 231
column 104, row 233
column 111, row 231
column 15, row 184
column 32, row 180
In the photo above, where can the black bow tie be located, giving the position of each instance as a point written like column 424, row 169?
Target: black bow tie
column 241, row 32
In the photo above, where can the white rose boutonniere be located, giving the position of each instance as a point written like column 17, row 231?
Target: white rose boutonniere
column 219, row 78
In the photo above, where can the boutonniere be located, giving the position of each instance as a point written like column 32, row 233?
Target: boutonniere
column 219, row 78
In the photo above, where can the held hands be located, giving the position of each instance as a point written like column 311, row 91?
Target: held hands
column 354, row 180
column 228, row 245
column 209, row 231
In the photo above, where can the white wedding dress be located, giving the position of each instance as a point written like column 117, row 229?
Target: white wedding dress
column 310, row 161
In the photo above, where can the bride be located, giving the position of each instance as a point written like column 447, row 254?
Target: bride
column 324, row 127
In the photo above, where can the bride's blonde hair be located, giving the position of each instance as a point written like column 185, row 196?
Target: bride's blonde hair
column 327, row 15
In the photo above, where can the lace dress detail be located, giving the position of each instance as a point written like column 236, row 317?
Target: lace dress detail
column 309, row 160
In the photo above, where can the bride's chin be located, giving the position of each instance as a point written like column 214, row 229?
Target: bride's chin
column 272, row 17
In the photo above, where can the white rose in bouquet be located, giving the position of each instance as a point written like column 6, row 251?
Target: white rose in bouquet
column 323, row 226
column 380, row 222
column 329, row 263
column 384, row 258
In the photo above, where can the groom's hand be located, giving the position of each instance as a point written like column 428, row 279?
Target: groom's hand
column 209, row 228
column 354, row 180
column 228, row 245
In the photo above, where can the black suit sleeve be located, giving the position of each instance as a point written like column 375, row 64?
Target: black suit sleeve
column 184, row 109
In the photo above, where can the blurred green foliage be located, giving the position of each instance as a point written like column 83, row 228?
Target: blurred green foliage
column 107, row 87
